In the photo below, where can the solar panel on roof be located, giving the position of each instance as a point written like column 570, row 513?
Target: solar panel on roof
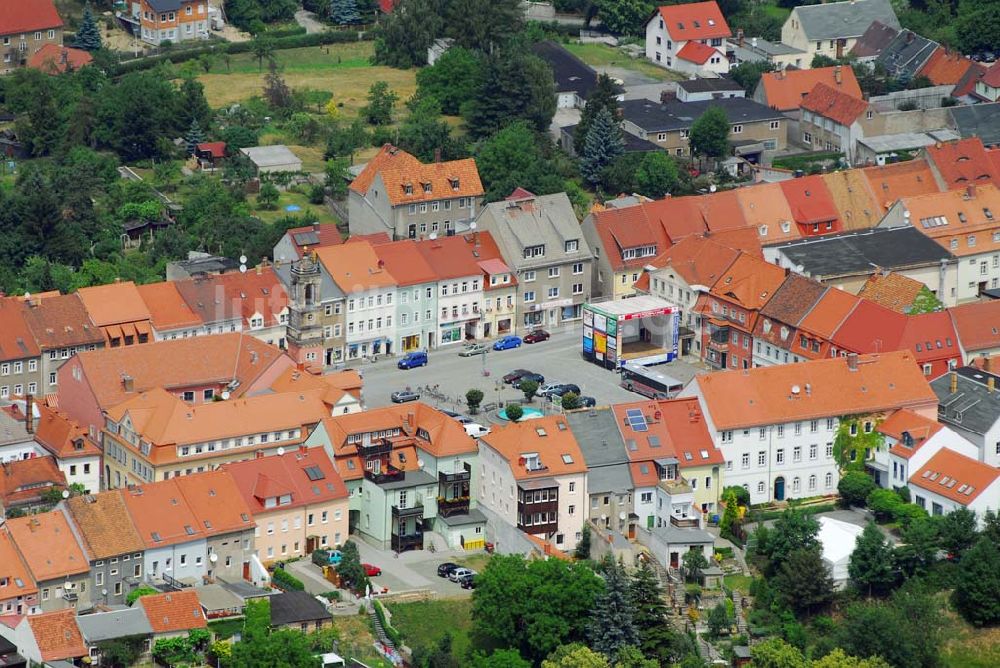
column 636, row 419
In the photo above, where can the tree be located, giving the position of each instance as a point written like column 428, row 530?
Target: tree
column 872, row 566
column 582, row 550
column 748, row 73
column 192, row 104
column 483, row 25
column 803, row 580
column 403, row 37
column 350, row 570
column 710, row 133
column 283, row 647
column 514, row 412
column 474, row 398
column 793, row 530
column 515, row 156
column 381, row 101
column 570, row 401
column 261, row 47
column 926, row 301
column 957, row 532
column 631, row 657
column 343, row 12
column 731, row 524
column 838, row 659
column 657, row 174
column 624, row 17
column 337, row 177
column 276, row 91
column 977, row 591
column 694, row 563
column 604, row 144
column 603, row 96
column 913, row 619
column 515, row 85
column 121, row 652
column 528, row 388
column 268, row 196
column 344, row 141
column 193, row 137
column 854, row 488
column 173, row 651
column 138, row 593
column 88, row 36
column 575, row 656
column 719, row 619
column 452, row 79
column 656, row 637
column 611, row 627
column 424, row 134
column 776, row 653
column 977, row 25
column 502, row 658
column 884, row 503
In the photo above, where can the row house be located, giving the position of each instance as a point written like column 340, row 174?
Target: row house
column 614, row 501
column 812, row 207
column 691, row 38
column 540, row 239
column 156, row 436
column 55, row 560
column 206, row 299
column 34, row 430
column 500, row 289
column 416, row 312
column 784, row 90
column 51, row 638
column 963, row 163
column 120, row 312
column 776, row 426
column 533, row 476
column 297, row 242
column 776, row 331
column 398, row 195
column 315, row 335
column 169, row 315
column 911, row 440
column 261, row 301
column 19, row 353
column 409, row 470
column 297, row 499
column 26, row 27
column 18, row 591
column 975, row 326
column 62, row 328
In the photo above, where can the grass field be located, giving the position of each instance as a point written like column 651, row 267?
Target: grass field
column 740, row 583
column 602, row 55
column 425, row 622
column 319, row 212
column 341, row 69
column 356, row 640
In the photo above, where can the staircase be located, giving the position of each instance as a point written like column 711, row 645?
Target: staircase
column 738, row 603
column 380, row 633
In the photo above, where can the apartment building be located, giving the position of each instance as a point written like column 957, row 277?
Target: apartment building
column 416, row 312
column 170, row 316
column 69, row 444
column 950, row 481
column 776, row 331
column 159, row 21
column 118, row 309
column 26, row 26
column 610, row 488
column 62, row 328
column 500, row 289
column 315, row 312
column 776, row 426
column 18, row 591
column 911, row 440
column 20, row 355
column 967, row 404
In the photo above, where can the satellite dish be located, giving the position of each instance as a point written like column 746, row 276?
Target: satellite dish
column 434, row 235
column 213, row 557
column 796, row 389
column 906, row 214
column 225, row 395
column 104, row 592
column 281, row 451
column 243, row 259
column 243, row 269
column 27, row 295
column 473, row 225
column 621, row 515
column 65, row 494
column 712, row 188
column 420, row 463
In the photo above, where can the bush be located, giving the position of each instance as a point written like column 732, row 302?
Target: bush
column 286, row 580
column 138, row 593
column 321, row 557
column 224, row 629
column 514, row 412
column 391, row 632
column 884, row 504
column 854, row 488
column 528, row 387
column 317, row 194
column 570, row 401
column 474, row 398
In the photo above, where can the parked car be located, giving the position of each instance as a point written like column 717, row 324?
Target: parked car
column 451, row 414
column 475, row 430
column 473, row 349
column 460, row 573
column 334, row 557
column 514, row 375
column 445, row 569
column 587, row 402
column 537, row 377
column 463, row 419
column 507, row 342
column 468, row 582
column 371, row 571
column 536, row 336
column 559, row 389
column 544, row 390
column 402, row 396
column 412, row 360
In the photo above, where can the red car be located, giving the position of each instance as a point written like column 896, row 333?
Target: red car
column 536, row 336
column 371, row 571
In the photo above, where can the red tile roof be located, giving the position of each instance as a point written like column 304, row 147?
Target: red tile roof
column 56, row 59
column 836, row 105
column 785, row 90
column 954, row 476
column 175, row 611
column 903, row 179
column 550, row 437
column 399, row 169
column 216, row 501
column 811, row 202
column 15, row 578
column 23, row 481
column 696, row 52
column 114, row 303
column 60, row 321
column 945, row 68
column 21, row 16
column 679, row 428
column 931, row 338
column 48, row 546
column 355, row 267
column 977, row 324
column 167, row 307
column 828, row 313
column 216, row 149
column 288, row 472
column 459, row 255
column 963, row 162
column 61, row 436
column 257, row 292
column 57, row 635
column 892, row 290
column 921, row 429
column 104, row 525
column 992, row 76
column 766, row 209
column 749, row 281
column 328, row 235
column 16, row 340
column 870, row 328
column 694, row 20
column 722, row 211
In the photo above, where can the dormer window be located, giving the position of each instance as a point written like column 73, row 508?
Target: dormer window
column 572, row 246
column 408, row 188
column 454, row 182
column 427, row 187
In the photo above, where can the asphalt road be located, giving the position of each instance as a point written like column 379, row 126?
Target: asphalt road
column 558, row 359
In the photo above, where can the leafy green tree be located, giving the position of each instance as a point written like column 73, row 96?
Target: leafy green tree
column 121, row 652
column 624, row 17
column 657, row 174
column 237, row 137
column 884, row 503
column 911, row 617
column 872, row 564
column 926, row 301
column 803, row 580
column 611, row 627
column 173, row 651
column 424, row 133
column 583, row 545
column 137, row 117
column 381, row 101
column 977, row 25
column 193, row 137
column 337, row 178
column 452, row 79
column 620, row 176
column 473, row 398
column 516, row 156
column 192, row 105
column 854, row 488
column 484, row 25
column 528, row 388
column 403, row 37
column 838, row 659
column 261, row 47
column 793, row 530
column 514, row 412
column 575, row 655
column 276, row 91
column 957, row 532
column 604, row 144
column 515, row 85
column 631, row 657
column 710, row 133
column 991, row 527
column 344, row 12
column 977, row 590
column 350, row 570
column 268, row 196
column 776, row 653
column 502, row 658
column 603, row 96
column 694, row 563
column 718, row 619
column 344, row 141
column 570, row 401
column 748, row 73
column 88, row 35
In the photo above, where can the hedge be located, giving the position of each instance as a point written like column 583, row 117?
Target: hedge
column 286, row 580
column 763, row 515
column 224, row 629
column 390, row 632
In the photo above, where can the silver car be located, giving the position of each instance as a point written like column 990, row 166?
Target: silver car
column 473, row 349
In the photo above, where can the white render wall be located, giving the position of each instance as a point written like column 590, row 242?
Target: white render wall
column 988, row 499
column 900, row 469
column 496, row 489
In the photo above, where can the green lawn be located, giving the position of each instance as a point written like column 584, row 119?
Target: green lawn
column 320, row 213
column 740, row 583
column 425, row 622
column 602, row 55
column 969, row 647
column 780, row 13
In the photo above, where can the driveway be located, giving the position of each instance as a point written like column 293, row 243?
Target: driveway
column 308, row 21
column 414, row 569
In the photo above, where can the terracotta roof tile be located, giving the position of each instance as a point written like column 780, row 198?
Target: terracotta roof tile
column 890, row 183
column 175, row 611
column 893, row 290
column 333, row 385
column 26, row 16
column 628, row 227
column 48, row 546
column 325, row 235
column 853, row 199
column 963, row 162
column 931, row 337
column 160, row 514
column 969, row 217
column 694, row 20
column 785, row 90
column 870, row 328
column 954, row 476
column 722, row 211
column 289, row 471
column 387, row 156
column 674, row 428
column 811, row 203
column 55, row 59
column 549, row 437
column 945, row 68
column 836, row 105
column 355, row 267
column 61, row 436
column 114, row 303
column 167, row 308
column 696, row 52
column 827, row 387
column 766, row 208
column 23, row 481
column 15, row 578
column 991, row 77
column 57, row 635
column 216, row 149
column 794, row 299
column 828, row 313
column 698, row 259
column 60, row 321
column 399, row 169
column 977, row 324
column 749, row 281
column 16, row 339
column 105, row 525
column 919, row 428
column 216, row 502
column 257, row 292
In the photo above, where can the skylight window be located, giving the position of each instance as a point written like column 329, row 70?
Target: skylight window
column 567, row 459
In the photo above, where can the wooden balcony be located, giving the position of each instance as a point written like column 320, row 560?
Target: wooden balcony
column 449, row 507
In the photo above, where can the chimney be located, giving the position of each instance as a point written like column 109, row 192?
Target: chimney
column 852, row 361
column 991, row 384
column 837, row 76
column 970, row 191
column 29, row 413
column 437, row 155
column 954, row 382
column 987, row 364
column 303, row 450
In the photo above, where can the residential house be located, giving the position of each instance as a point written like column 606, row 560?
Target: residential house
column 26, row 27
column 58, row 565
column 689, row 38
column 732, row 306
column 891, row 182
column 298, row 241
column 195, row 370
column 18, row 592
column 75, row 453
column 610, row 488
column 988, row 86
column 206, row 299
column 260, row 299
column 16, row 442
column 979, row 120
column 61, row 328
column 754, row 129
column 830, row 120
column 759, row 50
column 26, row 484
column 848, row 260
column 540, row 239
column 904, row 56
column 118, row 309
column 962, row 163
column 855, row 202
column 156, row 436
column 950, row 481
column 170, row 315
column 975, row 323
column 776, row 331
column 776, row 425
column 824, row 319
column 812, row 206
column 911, row 440
column 952, row 68
column 894, row 291
column 874, row 40
column 574, row 79
column 297, row 500
column 416, row 296
column 500, row 289
column 932, row 339
column 832, row 29
column 766, row 209
column 408, row 470
column 111, row 542
column 48, row 639
column 316, row 312
column 340, row 391
column 159, row 21
column 784, row 90
column 298, row 611
column 700, row 89
column 19, row 353
column 963, row 222
column 533, row 475
column 969, row 404
column 173, row 614
column 397, row 194
column 210, row 155
column 101, row 629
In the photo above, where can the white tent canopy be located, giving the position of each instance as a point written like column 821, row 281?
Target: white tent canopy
column 838, row 540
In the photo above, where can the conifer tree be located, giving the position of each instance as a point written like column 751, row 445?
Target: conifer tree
column 88, row 36
column 193, row 137
column 604, row 144
column 343, row 12
column 611, row 624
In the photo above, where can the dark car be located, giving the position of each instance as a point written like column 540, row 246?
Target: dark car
column 587, row 402
column 514, row 375
column 536, row 336
column 537, row 377
column 445, row 569
column 403, row 396
column 451, row 414
column 468, row 582
column 561, row 389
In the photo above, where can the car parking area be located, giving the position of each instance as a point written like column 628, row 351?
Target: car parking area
column 415, row 569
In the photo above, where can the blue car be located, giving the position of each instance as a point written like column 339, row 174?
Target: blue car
column 507, row 342
column 412, row 360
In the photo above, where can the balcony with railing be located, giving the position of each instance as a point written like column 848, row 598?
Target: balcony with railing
column 416, row 510
column 718, row 337
column 450, row 477
column 70, row 595
column 375, row 449
column 384, row 475
column 676, row 486
column 414, row 541
column 685, row 522
column 456, row 506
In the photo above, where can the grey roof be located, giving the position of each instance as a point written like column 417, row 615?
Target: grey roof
column 978, row 120
column 216, row 597
column 328, row 288
column 474, row 516
column 545, row 219
column 657, row 117
column 571, row 74
column 707, row 85
column 601, row 443
column 857, row 252
column 245, row 590
column 12, row 431
column 844, row 19
column 292, row 607
column 411, row 479
column 761, row 46
column 674, row 535
column 616, row 478
column 877, row 37
column 907, row 140
column 165, row 5
column 538, row 483
column 270, row 156
column 117, row 624
column 972, row 407
column 906, row 54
